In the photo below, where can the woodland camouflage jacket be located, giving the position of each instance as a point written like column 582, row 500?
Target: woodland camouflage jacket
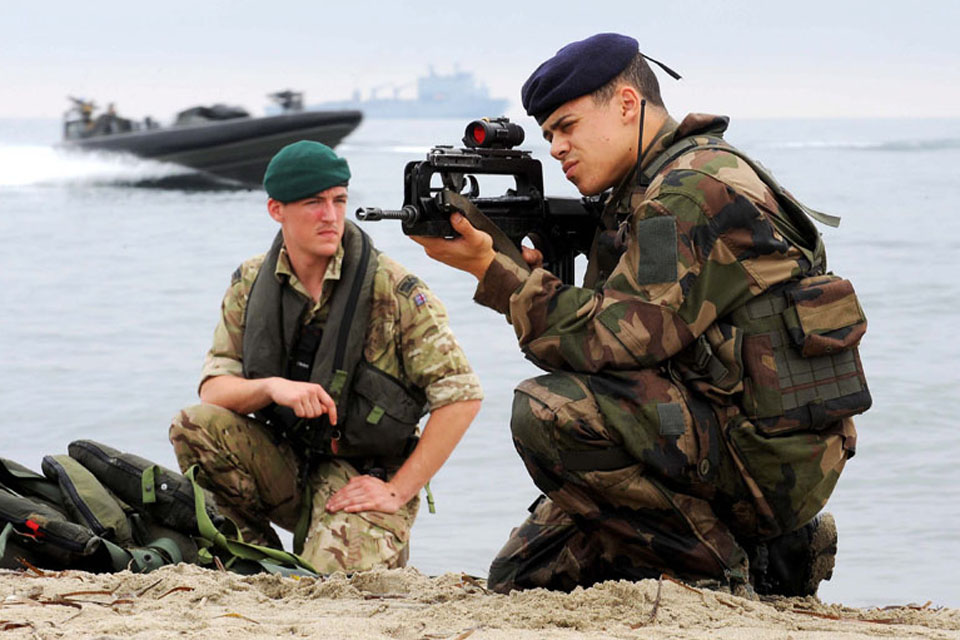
column 700, row 244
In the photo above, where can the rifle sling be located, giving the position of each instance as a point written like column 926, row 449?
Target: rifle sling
column 501, row 241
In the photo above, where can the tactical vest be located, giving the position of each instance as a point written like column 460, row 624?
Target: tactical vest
column 98, row 509
column 377, row 415
column 792, row 357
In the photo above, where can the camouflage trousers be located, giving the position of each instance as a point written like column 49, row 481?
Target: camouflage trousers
column 641, row 479
column 256, row 482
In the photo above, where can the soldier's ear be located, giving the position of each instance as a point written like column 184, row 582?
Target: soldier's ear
column 629, row 102
column 275, row 209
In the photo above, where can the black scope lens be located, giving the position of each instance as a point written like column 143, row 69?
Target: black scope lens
column 493, row 133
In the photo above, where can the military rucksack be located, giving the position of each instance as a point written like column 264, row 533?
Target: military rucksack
column 796, row 344
column 100, row 510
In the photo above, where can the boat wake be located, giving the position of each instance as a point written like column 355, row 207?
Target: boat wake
column 38, row 165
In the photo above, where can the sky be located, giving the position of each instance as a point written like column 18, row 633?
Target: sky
column 743, row 58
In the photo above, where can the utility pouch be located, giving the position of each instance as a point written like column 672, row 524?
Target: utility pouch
column 801, row 363
column 824, row 316
column 382, row 417
column 379, row 421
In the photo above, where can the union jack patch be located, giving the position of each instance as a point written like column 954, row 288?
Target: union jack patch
column 419, row 299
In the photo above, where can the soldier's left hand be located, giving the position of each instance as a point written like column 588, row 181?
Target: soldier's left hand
column 471, row 251
column 365, row 493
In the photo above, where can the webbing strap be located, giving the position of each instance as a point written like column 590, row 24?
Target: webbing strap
column 501, row 241
column 764, row 306
column 606, row 459
column 431, row 504
column 303, row 522
column 806, row 381
column 148, row 489
column 169, row 547
column 237, row 548
column 4, row 536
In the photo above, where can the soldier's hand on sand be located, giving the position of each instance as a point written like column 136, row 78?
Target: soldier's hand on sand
column 471, row 251
column 365, row 493
column 307, row 399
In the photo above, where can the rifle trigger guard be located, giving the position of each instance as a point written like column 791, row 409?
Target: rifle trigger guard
column 474, row 187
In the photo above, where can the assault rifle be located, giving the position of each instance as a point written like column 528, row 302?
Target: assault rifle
column 561, row 228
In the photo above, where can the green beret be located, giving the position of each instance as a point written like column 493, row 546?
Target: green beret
column 304, row 168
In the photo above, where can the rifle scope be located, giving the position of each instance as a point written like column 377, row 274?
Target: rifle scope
column 493, row 133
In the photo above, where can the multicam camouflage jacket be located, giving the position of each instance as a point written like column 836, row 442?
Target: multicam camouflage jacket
column 408, row 336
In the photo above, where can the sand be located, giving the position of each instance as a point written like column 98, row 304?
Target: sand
column 186, row 601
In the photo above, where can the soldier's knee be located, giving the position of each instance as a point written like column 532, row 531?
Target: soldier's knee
column 207, row 418
column 530, row 422
column 197, row 425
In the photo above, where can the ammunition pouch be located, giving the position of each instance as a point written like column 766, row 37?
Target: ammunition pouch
column 801, row 365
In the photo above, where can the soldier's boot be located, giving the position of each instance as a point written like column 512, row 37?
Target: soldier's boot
column 796, row 563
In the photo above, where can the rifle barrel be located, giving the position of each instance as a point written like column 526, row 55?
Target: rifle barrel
column 407, row 214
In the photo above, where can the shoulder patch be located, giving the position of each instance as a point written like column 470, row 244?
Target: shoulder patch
column 407, row 285
column 657, row 249
column 235, row 278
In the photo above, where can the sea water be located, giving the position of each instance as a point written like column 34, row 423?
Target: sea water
column 110, row 290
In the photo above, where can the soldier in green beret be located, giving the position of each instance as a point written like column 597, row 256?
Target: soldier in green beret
column 326, row 356
column 697, row 411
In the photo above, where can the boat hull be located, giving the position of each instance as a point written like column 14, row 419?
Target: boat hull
column 237, row 149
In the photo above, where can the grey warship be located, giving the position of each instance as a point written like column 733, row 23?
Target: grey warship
column 221, row 140
column 452, row 95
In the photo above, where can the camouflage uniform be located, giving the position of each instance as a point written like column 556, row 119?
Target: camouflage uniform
column 255, row 476
column 647, row 469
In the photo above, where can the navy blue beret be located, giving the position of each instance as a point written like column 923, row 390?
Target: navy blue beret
column 577, row 69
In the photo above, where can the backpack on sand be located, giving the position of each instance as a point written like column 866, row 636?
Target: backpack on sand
column 100, row 510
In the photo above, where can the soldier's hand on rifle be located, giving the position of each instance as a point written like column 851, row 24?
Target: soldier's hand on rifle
column 307, row 399
column 365, row 493
column 533, row 257
column 471, row 251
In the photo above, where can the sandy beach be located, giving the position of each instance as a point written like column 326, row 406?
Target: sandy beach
column 186, row 601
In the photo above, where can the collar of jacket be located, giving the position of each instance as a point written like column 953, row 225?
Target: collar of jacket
column 692, row 125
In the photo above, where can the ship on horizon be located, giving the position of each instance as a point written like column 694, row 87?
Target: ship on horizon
column 453, row 95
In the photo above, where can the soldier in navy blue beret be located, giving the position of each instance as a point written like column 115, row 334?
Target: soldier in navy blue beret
column 580, row 83
column 577, row 69
column 659, row 434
